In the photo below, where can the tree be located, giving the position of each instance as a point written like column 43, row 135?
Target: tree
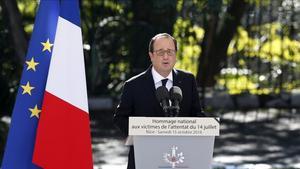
column 218, row 34
column 119, row 39
column 14, row 20
column 149, row 18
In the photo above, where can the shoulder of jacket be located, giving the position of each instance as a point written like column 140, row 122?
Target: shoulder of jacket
column 181, row 72
column 136, row 78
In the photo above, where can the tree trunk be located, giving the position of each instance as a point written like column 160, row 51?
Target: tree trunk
column 214, row 46
column 18, row 34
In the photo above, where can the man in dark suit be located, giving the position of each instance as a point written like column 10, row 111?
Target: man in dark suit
column 138, row 97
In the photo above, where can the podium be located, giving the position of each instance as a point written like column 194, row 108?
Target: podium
column 173, row 142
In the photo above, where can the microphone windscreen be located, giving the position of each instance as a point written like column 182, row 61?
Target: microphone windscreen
column 162, row 93
column 175, row 93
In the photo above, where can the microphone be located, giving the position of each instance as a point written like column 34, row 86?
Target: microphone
column 176, row 97
column 162, row 96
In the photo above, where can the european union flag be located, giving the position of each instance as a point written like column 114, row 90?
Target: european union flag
column 25, row 117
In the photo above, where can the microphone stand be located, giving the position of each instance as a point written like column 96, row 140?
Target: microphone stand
column 173, row 111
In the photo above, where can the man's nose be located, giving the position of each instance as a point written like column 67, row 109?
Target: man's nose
column 165, row 56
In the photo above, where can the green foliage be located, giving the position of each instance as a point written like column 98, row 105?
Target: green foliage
column 261, row 59
column 277, row 55
column 259, row 2
column 28, row 9
column 105, row 32
column 273, row 48
column 188, row 36
column 188, row 33
column 118, row 35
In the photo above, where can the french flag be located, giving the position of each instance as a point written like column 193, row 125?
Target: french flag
column 63, row 134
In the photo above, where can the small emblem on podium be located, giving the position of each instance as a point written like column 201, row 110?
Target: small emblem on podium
column 174, row 158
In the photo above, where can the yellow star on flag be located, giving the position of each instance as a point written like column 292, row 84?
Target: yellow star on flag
column 27, row 88
column 47, row 45
column 35, row 111
column 31, row 64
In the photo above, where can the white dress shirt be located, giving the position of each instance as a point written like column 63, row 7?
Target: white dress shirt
column 157, row 79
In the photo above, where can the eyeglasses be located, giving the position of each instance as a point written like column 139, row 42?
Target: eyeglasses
column 161, row 52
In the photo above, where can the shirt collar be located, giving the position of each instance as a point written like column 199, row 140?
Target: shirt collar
column 157, row 77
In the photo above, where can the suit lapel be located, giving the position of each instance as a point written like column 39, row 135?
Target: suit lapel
column 149, row 80
column 150, row 85
column 177, row 80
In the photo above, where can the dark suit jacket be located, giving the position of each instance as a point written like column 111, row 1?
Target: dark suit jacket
column 139, row 99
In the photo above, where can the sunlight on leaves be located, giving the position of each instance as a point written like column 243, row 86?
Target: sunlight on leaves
column 189, row 37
